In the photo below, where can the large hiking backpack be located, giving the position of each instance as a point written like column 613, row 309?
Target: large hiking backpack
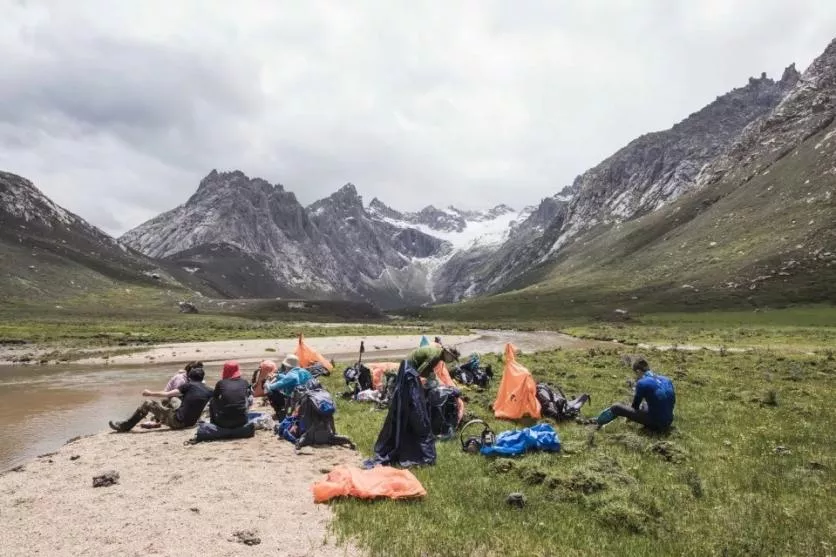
column 443, row 409
column 555, row 405
column 359, row 374
column 472, row 373
column 312, row 419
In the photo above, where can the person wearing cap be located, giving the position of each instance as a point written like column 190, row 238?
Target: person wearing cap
column 195, row 397
column 281, row 387
column 653, row 402
column 230, row 400
column 425, row 358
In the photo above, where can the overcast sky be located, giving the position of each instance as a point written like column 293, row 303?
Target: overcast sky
column 117, row 109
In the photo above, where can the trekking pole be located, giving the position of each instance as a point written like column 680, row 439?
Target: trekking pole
column 362, row 350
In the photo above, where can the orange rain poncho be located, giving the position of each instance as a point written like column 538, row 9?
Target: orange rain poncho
column 308, row 356
column 381, row 481
column 517, row 395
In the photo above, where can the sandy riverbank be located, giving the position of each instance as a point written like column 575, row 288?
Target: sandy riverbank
column 171, row 499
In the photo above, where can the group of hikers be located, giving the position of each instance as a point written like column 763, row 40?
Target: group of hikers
column 185, row 398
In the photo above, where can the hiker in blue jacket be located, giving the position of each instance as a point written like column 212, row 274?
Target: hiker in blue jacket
column 657, row 394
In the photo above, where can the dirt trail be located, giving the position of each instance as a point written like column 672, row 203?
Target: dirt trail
column 171, row 499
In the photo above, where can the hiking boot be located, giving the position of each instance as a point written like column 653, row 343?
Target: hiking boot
column 127, row 425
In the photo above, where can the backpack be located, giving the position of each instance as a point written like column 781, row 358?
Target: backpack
column 443, row 409
column 312, row 420
column 471, row 373
column 360, row 374
column 555, row 405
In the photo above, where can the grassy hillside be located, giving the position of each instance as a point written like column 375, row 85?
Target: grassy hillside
column 768, row 242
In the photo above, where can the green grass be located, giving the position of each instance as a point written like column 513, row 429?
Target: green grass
column 714, row 486
column 141, row 316
column 805, row 328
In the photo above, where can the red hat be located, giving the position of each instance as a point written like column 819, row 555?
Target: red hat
column 231, row 371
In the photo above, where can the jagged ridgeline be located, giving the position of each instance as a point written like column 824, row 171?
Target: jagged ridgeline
column 735, row 202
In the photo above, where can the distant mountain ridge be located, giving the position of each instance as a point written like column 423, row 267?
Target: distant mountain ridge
column 238, row 236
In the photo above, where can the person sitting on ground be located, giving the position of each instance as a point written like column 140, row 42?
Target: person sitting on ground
column 195, row 397
column 425, row 358
column 266, row 369
column 657, row 394
column 177, row 380
column 230, row 400
column 281, row 386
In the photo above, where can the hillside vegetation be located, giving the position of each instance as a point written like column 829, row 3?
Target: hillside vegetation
column 768, row 242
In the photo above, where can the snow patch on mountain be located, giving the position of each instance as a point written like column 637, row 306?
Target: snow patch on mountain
column 479, row 232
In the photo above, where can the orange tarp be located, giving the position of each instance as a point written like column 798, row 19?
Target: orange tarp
column 443, row 376
column 517, row 395
column 381, row 481
column 308, row 356
column 379, row 370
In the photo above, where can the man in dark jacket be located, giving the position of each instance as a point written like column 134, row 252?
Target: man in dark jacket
column 228, row 408
column 194, row 393
column 656, row 391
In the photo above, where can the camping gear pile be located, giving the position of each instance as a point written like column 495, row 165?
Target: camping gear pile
column 311, row 418
column 472, row 373
column 555, row 405
column 419, row 411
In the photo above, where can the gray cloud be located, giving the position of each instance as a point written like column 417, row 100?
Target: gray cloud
column 117, row 110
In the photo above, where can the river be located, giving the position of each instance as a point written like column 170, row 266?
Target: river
column 42, row 407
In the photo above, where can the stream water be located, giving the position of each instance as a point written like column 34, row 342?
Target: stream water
column 41, row 407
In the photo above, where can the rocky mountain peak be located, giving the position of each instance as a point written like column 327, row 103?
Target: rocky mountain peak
column 499, row 210
column 19, row 198
column 225, row 183
column 437, row 219
column 790, row 76
column 343, row 202
column 379, row 208
column 809, row 106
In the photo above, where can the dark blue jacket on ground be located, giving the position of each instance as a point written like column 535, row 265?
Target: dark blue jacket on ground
column 658, row 391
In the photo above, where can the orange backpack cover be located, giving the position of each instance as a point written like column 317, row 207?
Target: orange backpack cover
column 517, row 395
column 308, row 356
